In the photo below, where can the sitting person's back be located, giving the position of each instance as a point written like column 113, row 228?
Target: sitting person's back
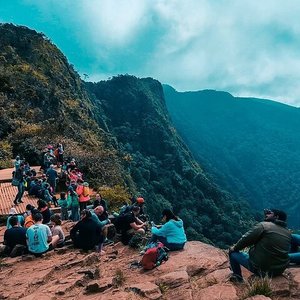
column 171, row 234
column 44, row 210
column 15, row 236
column 38, row 236
column 86, row 234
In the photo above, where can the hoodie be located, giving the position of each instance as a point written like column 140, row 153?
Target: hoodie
column 173, row 231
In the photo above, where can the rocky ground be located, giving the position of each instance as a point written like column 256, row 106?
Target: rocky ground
column 198, row 272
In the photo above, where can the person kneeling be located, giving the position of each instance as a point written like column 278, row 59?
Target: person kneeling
column 39, row 237
column 171, row 234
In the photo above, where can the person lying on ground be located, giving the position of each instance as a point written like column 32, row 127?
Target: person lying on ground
column 39, row 237
column 171, row 234
column 269, row 243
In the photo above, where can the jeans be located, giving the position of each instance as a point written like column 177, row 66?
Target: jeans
column 294, row 254
column 170, row 246
column 238, row 259
column 21, row 190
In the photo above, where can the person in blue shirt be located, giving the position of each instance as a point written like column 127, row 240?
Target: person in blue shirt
column 51, row 177
column 171, row 234
column 39, row 237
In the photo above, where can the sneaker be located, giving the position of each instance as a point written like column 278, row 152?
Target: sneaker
column 21, row 201
column 236, row 278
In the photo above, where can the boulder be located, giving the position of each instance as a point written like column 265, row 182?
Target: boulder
column 173, row 279
column 216, row 292
column 146, row 289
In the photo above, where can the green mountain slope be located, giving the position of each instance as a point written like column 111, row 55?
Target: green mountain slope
column 250, row 146
column 118, row 131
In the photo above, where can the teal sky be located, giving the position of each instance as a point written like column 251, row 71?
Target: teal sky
column 245, row 47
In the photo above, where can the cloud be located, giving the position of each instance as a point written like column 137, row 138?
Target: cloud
column 244, row 47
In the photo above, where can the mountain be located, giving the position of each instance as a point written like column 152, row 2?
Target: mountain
column 249, row 146
column 118, row 131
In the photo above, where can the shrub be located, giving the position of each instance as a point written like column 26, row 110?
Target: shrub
column 258, row 286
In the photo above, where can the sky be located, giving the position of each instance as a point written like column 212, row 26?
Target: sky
column 249, row 48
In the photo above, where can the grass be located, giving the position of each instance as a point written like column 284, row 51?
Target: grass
column 258, row 286
column 119, row 278
column 163, row 287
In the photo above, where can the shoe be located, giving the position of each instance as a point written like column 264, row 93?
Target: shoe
column 21, row 201
column 236, row 278
column 102, row 252
column 16, row 203
column 108, row 242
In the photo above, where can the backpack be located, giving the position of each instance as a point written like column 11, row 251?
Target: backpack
column 86, row 191
column 154, row 256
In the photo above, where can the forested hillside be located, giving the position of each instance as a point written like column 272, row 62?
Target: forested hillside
column 118, row 131
column 249, row 146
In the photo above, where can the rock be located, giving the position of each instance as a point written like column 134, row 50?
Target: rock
column 217, row 276
column 280, row 286
column 92, row 287
column 112, row 256
column 216, row 292
column 294, row 279
column 146, row 289
column 92, row 273
column 184, row 292
column 173, row 279
column 258, row 297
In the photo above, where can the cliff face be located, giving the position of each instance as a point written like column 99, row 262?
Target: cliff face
column 250, row 146
column 119, row 132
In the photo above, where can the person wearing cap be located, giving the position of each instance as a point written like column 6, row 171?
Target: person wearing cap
column 269, row 243
column 171, row 234
column 13, row 212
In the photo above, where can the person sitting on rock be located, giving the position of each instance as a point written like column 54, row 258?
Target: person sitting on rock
column 15, row 238
column 100, row 201
column 55, row 223
column 29, row 219
column 39, row 237
column 171, row 234
column 86, row 234
column 105, row 223
column 294, row 254
column 130, row 224
column 269, row 243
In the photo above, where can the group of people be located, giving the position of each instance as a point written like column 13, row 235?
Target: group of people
column 272, row 246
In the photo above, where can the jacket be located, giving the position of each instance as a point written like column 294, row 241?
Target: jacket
column 270, row 243
column 173, row 231
column 79, row 192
